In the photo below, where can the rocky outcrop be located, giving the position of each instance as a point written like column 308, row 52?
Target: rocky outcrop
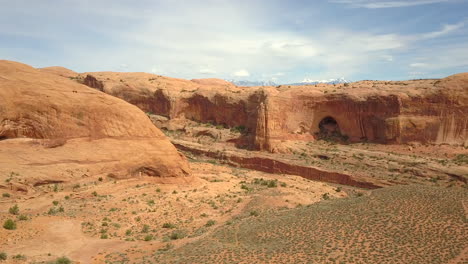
column 50, row 125
column 276, row 165
column 426, row 111
column 92, row 82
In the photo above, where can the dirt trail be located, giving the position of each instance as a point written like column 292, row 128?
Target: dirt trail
column 63, row 237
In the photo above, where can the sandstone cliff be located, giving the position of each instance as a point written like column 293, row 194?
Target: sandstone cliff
column 426, row 111
column 51, row 126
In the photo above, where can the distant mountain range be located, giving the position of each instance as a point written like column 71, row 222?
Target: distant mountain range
column 329, row 81
column 252, row 83
column 304, row 82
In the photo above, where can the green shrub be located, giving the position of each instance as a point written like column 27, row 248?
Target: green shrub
column 254, row 213
column 19, row 257
column 210, row 223
column 9, row 224
column 148, row 238
column 3, row 256
column 145, row 229
column 5, row 195
column 168, row 225
column 22, row 218
column 272, row 184
column 55, row 202
column 326, row 196
column 177, row 234
column 104, row 236
column 14, row 210
column 63, row 260
column 239, row 129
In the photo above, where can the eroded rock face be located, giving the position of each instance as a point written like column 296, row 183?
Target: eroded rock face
column 426, row 111
column 50, row 125
column 92, row 82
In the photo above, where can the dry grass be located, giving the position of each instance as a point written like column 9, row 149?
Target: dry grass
column 403, row 224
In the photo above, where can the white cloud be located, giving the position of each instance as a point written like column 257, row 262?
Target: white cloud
column 373, row 4
column 207, row 71
column 241, row 73
column 387, row 57
column 189, row 40
column 446, row 29
column 156, row 70
column 418, row 65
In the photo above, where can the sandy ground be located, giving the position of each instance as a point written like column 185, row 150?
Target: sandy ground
column 104, row 218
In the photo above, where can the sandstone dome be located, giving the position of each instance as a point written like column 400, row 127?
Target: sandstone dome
column 50, row 124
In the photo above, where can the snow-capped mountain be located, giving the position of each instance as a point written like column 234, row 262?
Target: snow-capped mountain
column 329, row 81
column 252, row 83
column 304, row 82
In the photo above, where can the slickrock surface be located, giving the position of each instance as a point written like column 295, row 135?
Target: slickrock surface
column 53, row 129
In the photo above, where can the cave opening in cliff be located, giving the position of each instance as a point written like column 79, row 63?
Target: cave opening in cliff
column 330, row 130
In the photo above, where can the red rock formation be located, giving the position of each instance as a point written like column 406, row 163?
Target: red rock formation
column 427, row 111
column 71, row 126
column 92, row 82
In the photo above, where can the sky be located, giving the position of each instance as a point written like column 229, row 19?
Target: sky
column 283, row 41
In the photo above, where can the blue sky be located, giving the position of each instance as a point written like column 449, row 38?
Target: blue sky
column 279, row 40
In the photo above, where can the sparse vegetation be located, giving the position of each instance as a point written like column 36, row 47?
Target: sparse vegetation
column 63, row 260
column 9, row 224
column 14, row 210
column 210, row 223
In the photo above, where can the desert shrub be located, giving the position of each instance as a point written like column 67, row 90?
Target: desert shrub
column 254, row 213
column 167, row 247
column 9, row 224
column 148, row 238
column 239, row 129
column 55, row 202
column 3, row 256
column 63, row 260
column 461, row 159
column 272, row 184
column 177, row 234
column 22, row 218
column 168, row 225
column 128, row 232
column 326, row 196
column 104, row 236
column 210, row 223
column 5, row 195
column 19, row 257
column 14, row 210
column 145, row 229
